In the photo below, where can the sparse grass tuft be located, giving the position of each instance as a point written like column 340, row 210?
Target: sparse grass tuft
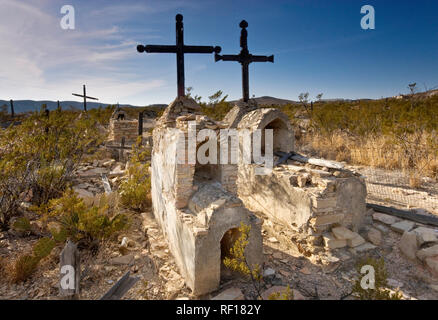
column 22, row 268
column 380, row 292
column 287, row 294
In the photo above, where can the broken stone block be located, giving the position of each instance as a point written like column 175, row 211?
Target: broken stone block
column 269, row 273
column 331, row 242
column 343, row 233
column 123, row 260
column 384, row 218
column 321, row 203
column 427, row 252
column 381, row 228
column 409, row 245
column 326, row 220
column 403, row 226
column 426, row 235
column 230, row 294
column 357, row 241
column 116, row 172
column 432, row 263
column 364, row 247
column 302, row 180
column 374, row 236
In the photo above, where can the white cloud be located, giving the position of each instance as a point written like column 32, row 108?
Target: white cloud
column 41, row 61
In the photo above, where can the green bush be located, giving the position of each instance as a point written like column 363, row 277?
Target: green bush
column 38, row 157
column 22, row 224
column 43, row 248
column 135, row 190
column 78, row 221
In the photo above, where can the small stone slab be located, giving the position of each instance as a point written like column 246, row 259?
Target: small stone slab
column 426, row 235
column 355, row 242
column 333, row 243
column 374, row 236
column 427, row 252
column 230, row 294
column 409, row 245
column 403, row 226
column 123, row 260
column 432, row 263
column 384, row 218
column 343, row 233
column 364, row 247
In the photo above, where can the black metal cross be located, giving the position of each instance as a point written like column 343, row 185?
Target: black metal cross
column 180, row 49
column 85, row 97
column 244, row 58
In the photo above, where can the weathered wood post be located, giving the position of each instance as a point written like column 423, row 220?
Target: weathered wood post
column 59, row 106
column 140, row 123
column 47, row 114
column 12, row 108
column 122, row 147
column 70, row 272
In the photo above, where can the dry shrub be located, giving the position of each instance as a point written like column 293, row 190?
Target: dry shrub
column 21, row 268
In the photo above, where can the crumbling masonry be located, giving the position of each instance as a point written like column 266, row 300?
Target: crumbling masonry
column 200, row 207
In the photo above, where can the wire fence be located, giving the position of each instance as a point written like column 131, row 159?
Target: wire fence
column 392, row 188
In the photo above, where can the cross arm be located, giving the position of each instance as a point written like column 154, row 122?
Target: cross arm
column 226, row 57
column 82, row 96
column 262, row 58
column 156, row 49
column 201, row 49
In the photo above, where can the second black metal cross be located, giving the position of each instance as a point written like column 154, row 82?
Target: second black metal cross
column 244, row 58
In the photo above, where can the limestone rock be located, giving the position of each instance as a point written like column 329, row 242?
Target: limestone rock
column 355, row 242
column 343, row 233
column 374, row 236
column 364, row 247
column 384, row 218
column 123, row 260
column 273, row 240
column 426, row 235
column 117, row 172
column 427, row 252
column 327, row 219
column 403, row 226
column 230, row 294
column 409, row 245
column 331, row 242
column 432, row 263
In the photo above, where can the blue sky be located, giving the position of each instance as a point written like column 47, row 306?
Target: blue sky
column 319, row 47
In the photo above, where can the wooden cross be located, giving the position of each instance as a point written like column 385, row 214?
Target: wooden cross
column 180, row 49
column 85, row 97
column 244, row 58
column 12, row 108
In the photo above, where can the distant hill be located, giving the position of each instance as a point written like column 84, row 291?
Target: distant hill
column 32, row 105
